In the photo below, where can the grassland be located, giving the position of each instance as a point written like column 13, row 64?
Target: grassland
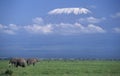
column 65, row 68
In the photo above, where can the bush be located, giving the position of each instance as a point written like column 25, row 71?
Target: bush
column 9, row 72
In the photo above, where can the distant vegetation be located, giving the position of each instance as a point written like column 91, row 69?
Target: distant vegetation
column 81, row 59
column 63, row 68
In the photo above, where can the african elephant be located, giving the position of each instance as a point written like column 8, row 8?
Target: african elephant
column 18, row 62
column 13, row 61
column 32, row 61
column 21, row 62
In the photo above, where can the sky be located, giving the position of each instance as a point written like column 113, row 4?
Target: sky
column 60, row 29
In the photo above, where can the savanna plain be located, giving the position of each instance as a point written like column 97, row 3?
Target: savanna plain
column 63, row 68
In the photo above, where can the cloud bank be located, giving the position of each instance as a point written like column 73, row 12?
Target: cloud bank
column 77, row 28
column 61, row 28
column 64, row 29
column 75, row 11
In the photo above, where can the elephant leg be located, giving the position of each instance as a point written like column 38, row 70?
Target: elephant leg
column 33, row 64
column 23, row 65
column 16, row 65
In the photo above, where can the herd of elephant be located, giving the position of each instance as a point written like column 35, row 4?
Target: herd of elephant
column 22, row 62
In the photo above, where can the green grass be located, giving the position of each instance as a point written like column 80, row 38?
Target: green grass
column 65, row 68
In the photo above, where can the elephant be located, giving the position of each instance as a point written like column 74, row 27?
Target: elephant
column 21, row 62
column 13, row 62
column 18, row 62
column 32, row 61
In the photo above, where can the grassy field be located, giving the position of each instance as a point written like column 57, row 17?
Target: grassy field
column 65, row 68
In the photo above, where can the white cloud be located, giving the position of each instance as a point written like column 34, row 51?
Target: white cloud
column 38, row 20
column 117, row 15
column 91, row 19
column 38, row 29
column 75, row 11
column 116, row 30
column 13, row 27
column 94, row 29
column 62, row 29
column 77, row 28
column 10, row 29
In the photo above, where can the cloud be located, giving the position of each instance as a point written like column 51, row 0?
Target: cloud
column 38, row 20
column 91, row 19
column 38, row 29
column 117, row 30
column 95, row 29
column 10, row 29
column 64, row 29
column 61, row 29
column 77, row 28
column 116, row 15
column 13, row 27
column 75, row 11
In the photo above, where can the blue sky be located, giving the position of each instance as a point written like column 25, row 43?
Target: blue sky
column 44, row 28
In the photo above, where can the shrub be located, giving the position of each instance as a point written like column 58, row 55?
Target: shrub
column 9, row 72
